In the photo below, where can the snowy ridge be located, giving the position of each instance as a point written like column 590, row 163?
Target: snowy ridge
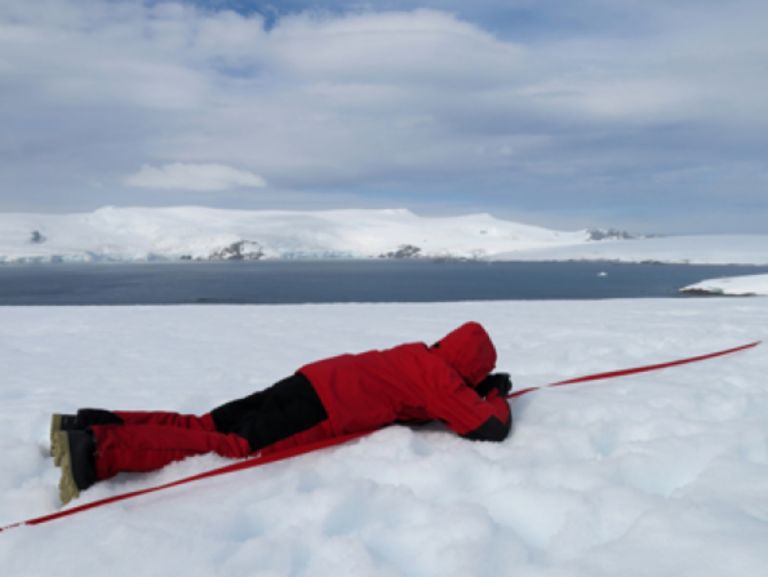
column 198, row 233
column 694, row 249
column 747, row 285
column 657, row 474
column 112, row 233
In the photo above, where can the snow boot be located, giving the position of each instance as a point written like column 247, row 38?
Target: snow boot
column 82, row 420
column 60, row 422
column 78, row 467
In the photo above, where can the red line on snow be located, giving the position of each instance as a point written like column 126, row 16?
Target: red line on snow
column 635, row 370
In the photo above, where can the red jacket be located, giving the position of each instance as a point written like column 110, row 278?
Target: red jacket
column 413, row 382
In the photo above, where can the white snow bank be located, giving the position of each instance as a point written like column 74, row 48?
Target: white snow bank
column 657, row 474
column 705, row 249
column 747, row 285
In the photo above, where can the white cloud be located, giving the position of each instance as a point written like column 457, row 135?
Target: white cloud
column 194, row 177
column 403, row 101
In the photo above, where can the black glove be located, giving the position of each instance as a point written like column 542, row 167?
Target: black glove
column 499, row 381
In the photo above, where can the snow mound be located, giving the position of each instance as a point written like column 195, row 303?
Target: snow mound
column 747, row 285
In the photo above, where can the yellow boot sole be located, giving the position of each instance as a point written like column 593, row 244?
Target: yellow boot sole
column 55, row 428
column 67, row 487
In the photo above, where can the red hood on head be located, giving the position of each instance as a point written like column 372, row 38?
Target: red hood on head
column 469, row 350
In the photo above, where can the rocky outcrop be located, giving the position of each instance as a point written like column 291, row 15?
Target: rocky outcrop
column 403, row 251
column 240, row 250
column 609, row 234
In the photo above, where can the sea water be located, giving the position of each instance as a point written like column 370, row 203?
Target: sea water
column 275, row 282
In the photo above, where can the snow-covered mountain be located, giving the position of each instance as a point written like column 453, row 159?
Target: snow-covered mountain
column 203, row 233
column 197, row 233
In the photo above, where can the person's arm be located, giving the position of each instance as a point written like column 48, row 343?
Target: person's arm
column 495, row 381
column 497, row 426
column 468, row 414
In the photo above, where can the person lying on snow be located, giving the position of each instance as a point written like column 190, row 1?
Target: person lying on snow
column 450, row 381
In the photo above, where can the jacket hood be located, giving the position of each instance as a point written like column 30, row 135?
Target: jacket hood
column 469, row 350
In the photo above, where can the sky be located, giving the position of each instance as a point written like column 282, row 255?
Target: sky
column 648, row 116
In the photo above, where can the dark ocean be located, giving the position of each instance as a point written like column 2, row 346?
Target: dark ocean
column 270, row 282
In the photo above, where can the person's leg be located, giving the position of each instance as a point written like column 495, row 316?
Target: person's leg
column 167, row 419
column 319, row 432
column 286, row 415
column 86, row 418
column 78, row 422
column 285, row 409
column 141, row 448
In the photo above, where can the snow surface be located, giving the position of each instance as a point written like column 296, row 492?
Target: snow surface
column 131, row 234
column 661, row 474
column 747, row 285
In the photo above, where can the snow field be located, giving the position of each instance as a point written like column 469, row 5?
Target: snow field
column 662, row 473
